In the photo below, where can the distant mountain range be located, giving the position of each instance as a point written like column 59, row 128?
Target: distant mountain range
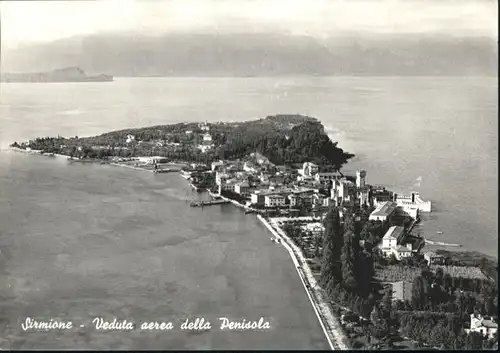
column 261, row 55
column 70, row 74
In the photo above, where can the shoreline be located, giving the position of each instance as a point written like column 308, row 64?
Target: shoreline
column 329, row 323
column 75, row 160
column 438, row 245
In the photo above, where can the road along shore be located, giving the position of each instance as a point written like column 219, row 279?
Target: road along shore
column 329, row 323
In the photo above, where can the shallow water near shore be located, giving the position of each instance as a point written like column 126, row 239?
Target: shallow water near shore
column 82, row 240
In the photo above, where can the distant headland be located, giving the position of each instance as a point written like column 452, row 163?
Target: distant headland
column 69, row 74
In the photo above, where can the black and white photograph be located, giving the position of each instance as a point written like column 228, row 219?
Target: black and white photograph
column 249, row 175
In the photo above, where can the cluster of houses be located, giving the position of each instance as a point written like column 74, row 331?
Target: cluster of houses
column 485, row 325
column 207, row 142
column 204, row 145
column 264, row 184
column 267, row 185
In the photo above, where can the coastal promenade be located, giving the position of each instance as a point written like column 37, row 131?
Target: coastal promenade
column 329, row 323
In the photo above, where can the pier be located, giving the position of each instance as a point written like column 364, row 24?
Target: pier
column 167, row 170
column 440, row 243
column 208, row 203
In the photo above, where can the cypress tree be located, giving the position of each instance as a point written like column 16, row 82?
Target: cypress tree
column 348, row 275
column 332, row 240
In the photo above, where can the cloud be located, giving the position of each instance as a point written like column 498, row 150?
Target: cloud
column 25, row 21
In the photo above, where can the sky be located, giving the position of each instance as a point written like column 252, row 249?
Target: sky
column 24, row 22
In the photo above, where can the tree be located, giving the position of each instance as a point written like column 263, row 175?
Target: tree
column 418, row 293
column 347, row 258
column 351, row 252
column 101, row 154
column 439, row 276
column 317, row 246
column 365, row 272
column 393, row 260
column 448, row 282
column 387, row 298
column 364, row 233
column 332, row 242
column 380, row 328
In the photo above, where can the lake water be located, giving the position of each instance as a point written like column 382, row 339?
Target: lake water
column 79, row 241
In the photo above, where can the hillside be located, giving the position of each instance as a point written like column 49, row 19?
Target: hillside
column 69, row 74
column 248, row 54
column 284, row 139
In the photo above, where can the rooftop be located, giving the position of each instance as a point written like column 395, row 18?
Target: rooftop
column 385, row 209
column 394, row 232
column 432, row 254
column 401, row 248
column 489, row 324
column 328, row 173
column 276, row 196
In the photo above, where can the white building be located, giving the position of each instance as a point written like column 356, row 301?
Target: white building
column 293, row 200
column 316, row 228
column 216, row 165
column 274, row 200
column 390, row 239
column 130, row 138
column 364, row 197
column 250, row 167
column 207, row 137
column 308, row 170
column 256, row 198
column 319, row 200
column 204, row 126
column 205, row 148
column 413, row 201
column 221, row 177
column 410, row 211
column 383, row 212
column 228, row 185
column 327, row 176
column 484, row 325
column 391, row 244
column 242, row 188
column 259, row 158
column 432, row 258
column 153, row 160
column 340, row 191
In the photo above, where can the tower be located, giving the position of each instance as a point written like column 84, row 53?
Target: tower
column 360, row 179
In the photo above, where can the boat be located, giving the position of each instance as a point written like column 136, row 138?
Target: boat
column 439, row 232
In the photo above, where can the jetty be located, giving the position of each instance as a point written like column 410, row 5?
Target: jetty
column 440, row 243
column 166, row 170
column 208, row 203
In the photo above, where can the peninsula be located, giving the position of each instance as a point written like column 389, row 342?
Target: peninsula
column 365, row 273
column 70, row 74
column 282, row 138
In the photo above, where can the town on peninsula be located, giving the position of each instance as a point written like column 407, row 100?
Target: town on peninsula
column 374, row 282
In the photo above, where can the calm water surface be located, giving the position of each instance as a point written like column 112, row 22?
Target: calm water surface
column 79, row 241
